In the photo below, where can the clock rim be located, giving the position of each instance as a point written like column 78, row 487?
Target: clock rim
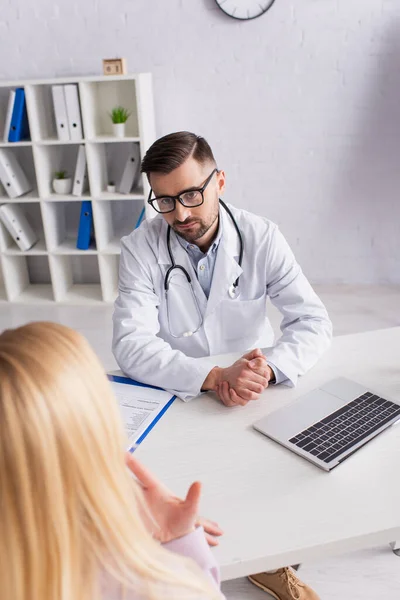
column 272, row 2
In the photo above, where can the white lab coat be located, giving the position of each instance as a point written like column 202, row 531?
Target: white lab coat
column 142, row 343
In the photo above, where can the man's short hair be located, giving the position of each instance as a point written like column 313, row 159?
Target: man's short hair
column 172, row 150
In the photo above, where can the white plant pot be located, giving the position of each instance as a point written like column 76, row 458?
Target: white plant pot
column 119, row 130
column 111, row 188
column 62, row 186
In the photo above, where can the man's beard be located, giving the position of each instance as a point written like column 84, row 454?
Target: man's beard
column 197, row 232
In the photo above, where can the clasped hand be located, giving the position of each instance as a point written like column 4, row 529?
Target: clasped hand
column 245, row 380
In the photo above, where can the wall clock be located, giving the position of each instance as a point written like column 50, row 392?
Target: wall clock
column 245, row 9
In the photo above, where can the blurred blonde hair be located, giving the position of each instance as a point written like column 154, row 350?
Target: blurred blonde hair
column 69, row 509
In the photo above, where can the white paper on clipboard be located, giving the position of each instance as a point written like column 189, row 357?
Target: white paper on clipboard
column 139, row 407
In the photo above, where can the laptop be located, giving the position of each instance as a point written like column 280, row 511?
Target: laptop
column 328, row 424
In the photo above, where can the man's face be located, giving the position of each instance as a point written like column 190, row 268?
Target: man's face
column 192, row 224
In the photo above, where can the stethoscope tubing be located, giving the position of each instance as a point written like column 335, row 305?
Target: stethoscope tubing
column 175, row 266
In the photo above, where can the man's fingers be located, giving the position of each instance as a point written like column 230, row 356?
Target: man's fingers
column 254, row 378
column 236, row 399
column 245, row 395
column 224, row 394
column 261, row 368
column 254, row 354
column 251, row 382
column 220, row 394
column 258, row 363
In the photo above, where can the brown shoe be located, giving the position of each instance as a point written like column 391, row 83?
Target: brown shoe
column 283, row 585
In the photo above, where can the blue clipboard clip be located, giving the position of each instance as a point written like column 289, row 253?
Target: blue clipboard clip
column 128, row 381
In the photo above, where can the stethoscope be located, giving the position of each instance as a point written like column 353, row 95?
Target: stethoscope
column 233, row 291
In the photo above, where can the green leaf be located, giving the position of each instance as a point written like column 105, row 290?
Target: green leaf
column 119, row 114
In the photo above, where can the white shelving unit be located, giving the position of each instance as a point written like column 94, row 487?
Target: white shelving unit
column 54, row 270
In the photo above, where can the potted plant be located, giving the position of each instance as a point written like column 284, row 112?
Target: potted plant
column 111, row 186
column 62, row 184
column 119, row 116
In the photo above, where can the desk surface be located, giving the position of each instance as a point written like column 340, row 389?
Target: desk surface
column 275, row 507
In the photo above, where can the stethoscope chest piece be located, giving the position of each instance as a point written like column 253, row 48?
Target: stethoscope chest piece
column 233, row 292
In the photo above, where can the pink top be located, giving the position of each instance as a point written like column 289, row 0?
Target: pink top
column 194, row 546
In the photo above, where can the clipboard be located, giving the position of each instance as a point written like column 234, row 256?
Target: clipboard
column 158, row 414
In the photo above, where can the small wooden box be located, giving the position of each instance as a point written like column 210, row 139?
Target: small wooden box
column 114, row 66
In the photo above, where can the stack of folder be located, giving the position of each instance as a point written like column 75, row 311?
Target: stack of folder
column 16, row 127
column 67, row 112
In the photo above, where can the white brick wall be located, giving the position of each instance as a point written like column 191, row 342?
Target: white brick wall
column 302, row 106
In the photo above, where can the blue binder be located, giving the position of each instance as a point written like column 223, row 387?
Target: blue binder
column 140, row 218
column 19, row 126
column 85, row 229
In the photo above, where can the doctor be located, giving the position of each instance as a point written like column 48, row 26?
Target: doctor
column 194, row 282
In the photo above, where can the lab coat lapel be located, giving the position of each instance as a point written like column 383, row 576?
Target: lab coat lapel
column 226, row 269
column 181, row 258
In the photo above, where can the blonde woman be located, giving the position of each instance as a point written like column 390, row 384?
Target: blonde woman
column 74, row 523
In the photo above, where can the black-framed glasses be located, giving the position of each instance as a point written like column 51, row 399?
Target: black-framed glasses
column 189, row 198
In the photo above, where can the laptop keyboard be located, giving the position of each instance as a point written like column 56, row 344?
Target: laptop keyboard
column 344, row 428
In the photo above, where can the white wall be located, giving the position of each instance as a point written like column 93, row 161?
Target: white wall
column 302, row 106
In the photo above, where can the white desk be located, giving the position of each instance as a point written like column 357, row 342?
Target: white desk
column 276, row 508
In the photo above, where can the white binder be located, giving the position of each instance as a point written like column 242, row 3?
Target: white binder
column 73, row 111
column 60, row 112
column 10, row 108
column 17, row 225
column 80, row 177
column 11, row 174
column 131, row 171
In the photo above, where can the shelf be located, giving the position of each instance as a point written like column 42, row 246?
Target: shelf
column 134, row 195
column 31, row 196
column 57, row 142
column 68, row 246
column 109, row 139
column 66, row 197
column 76, row 277
column 62, row 225
column 83, row 294
column 35, row 293
column 52, row 158
column 27, row 277
column 38, row 249
column 114, row 220
column 98, row 98
column 61, row 80
column 54, row 270
column 15, row 144
column 107, row 162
